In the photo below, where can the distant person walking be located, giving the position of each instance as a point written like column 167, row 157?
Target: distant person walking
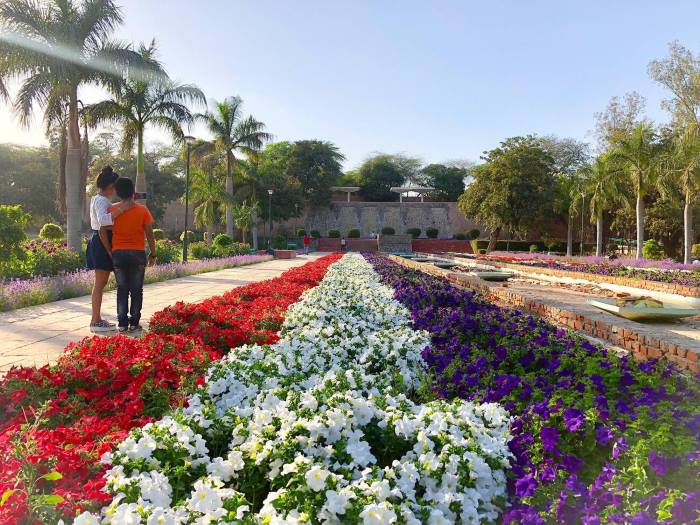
column 343, row 244
column 307, row 243
column 128, row 251
column 96, row 255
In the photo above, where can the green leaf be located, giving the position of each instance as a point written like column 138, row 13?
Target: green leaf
column 52, row 476
column 5, row 496
column 48, row 499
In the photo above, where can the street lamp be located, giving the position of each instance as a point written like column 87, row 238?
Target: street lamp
column 269, row 214
column 186, row 241
column 583, row 214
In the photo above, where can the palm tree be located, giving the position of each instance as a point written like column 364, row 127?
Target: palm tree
column 604, row 190
column 565, row 204
column 54, row 48
column 234, row 133
column 244, row 215
column 638, row 152
column 209, row 196
column 140, row 102
column 683, row 168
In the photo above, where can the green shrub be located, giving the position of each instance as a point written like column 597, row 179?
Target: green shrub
column 300, row 232
column 534, row 248
column 191, row 236
column 432, row 233
column 354, row 233
column 48, row 258
column 158, row 234
column 651, row 249
column 473, row 234
column 13, row 221
column 460, row 236
column 413, row 232
column 222, row 239
column 334, row 234
column 230, row 250
column 388, row 230
column 279, row 242
column 51, row 232
column 695, row 251
column 482, row 252
column 168, row 251
column 200, row 250
column 315, row 234
column 475, row 246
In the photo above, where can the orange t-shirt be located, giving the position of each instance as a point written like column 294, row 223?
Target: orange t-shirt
column 128, row 231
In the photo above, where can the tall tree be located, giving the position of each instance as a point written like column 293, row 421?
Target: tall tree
column 137, row 103
column 233, row 133
column 448, row 181
column 513, row 189
column 54, row 48
column 638, row 150
column 682, row 172
column 567, row 188
column 602, row 185
column 381, row 172
column 679, row 72
column 317, row 166
column 619, row 118
column 209, row 197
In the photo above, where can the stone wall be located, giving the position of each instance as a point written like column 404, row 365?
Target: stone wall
column 371, row 217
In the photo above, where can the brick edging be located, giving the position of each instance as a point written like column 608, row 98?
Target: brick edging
column 656, row 286
column 641, row 346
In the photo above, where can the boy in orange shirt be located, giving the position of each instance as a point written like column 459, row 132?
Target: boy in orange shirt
column 128, row 252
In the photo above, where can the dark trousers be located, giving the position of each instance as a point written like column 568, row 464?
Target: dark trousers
column 129, row 271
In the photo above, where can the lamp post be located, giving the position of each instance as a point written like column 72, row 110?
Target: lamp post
column 186, row 241
column 269, row 215
column 583, row 214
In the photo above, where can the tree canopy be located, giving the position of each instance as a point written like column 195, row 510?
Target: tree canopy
column 381, row 172
column 513, row 189
column 448, row 181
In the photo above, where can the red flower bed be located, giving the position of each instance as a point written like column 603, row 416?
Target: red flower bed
column 56, row 421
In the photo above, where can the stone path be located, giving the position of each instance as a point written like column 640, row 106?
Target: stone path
column 36, row 335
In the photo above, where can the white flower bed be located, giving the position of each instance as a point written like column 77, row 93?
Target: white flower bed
column 317, row 428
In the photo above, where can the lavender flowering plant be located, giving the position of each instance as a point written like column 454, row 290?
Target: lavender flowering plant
column 598, row 438
column 18, row 293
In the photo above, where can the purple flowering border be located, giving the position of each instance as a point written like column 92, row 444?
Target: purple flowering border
column 582, row 415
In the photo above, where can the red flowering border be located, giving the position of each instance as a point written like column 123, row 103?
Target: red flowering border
column 56, row 421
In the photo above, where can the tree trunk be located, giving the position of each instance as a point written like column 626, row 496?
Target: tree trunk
column 85, row 145
column 569, row 237
column 229, row 191
column 74, row 215
column 640, row 224
column 687, row 230
column 208, row 235
column 63, row 148
column 599, row 235
column 254, row 232
column 141, row 186
column 493, row 239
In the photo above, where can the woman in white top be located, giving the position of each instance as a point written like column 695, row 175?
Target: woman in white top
column 96, row 255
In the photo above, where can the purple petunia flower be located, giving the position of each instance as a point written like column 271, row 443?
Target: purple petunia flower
column 642, row 518
column 572, row 464
column 550, row 438
column 604, row 435
column 573, row 419
column 619, row 448
column 525, row 486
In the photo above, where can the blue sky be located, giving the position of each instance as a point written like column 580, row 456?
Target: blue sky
column 441, row 79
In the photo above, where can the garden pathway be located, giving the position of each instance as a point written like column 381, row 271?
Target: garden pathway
column 36, row 335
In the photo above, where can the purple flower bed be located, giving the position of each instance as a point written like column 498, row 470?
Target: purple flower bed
column 19, row 293
column 665, row 271
column 597, row 438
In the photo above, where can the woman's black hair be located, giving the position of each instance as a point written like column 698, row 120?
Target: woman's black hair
column 106, row 177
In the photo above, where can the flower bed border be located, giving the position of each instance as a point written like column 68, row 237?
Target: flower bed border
column 641, row 346
column 654, row 286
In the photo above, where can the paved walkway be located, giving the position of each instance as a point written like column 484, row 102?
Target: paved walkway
column 36, row 335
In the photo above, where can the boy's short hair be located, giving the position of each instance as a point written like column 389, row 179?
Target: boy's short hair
column 124, row 187
column 106, row 177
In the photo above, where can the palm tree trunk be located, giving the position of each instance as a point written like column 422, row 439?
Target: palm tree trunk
column 599, row 234
column 74, row 215
column 85, row 153
column 640, row 224
column 569, row 237
column 687, row 229
column 63, row 148
column 493, row 239
column 254, row 232
column 229, row 190
column 141, row 186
